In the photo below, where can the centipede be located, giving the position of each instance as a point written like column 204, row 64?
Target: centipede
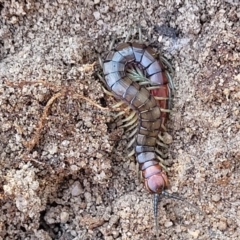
column 149, row 95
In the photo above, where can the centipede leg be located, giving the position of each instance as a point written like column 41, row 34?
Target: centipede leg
column 162, row 164
column 112, row 43
column 131, row 122
column 132, row 127
column 103, row 88
column 167, row 63
column 161, row 144
column 161, row 98
column 170, row 100
column 107, row 92
column 100, row 61
column 131, row 143
column 144, row 83
column 140, row 34
column 139, row 176
column 153, row 87
column 163, row 128
column 166, row 110
column 118, row 104
column 131, row 153
column 120, row 113
column 171, row 84
column 128, row 35
column 130, row 117
column 133, row 132
column 170, row 69
column 115, row 116
column 160, row 153
column 160, row 137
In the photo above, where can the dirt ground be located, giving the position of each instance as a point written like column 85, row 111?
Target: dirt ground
column 63, row 174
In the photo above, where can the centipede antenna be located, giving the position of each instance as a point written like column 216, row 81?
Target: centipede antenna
column 155, row 211
column 174, row 196
column 112, row 42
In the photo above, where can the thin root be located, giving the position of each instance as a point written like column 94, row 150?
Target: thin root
column 35, row 139
column 65, row 91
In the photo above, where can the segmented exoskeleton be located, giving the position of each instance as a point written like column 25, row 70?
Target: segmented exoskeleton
column 139, row 98
column 149, row 98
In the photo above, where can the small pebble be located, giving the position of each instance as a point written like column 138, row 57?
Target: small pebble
column 217, row 122
column 222, row 225
column 88, row 197
column 194, row 234
column 65, row 143
column 100, row 22
column 168, row 224
column 115, row 234
column 73, row 233
column 74, row 167
column 216, row 198
column 99, row 155
column 53, row 149
column 64, row 217
column 6, row 126
column 97, row 15
column 77, row 189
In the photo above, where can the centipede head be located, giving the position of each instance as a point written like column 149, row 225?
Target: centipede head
column 159, row 182
column 155, row 179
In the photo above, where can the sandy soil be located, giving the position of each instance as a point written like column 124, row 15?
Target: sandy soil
column 63, row 174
